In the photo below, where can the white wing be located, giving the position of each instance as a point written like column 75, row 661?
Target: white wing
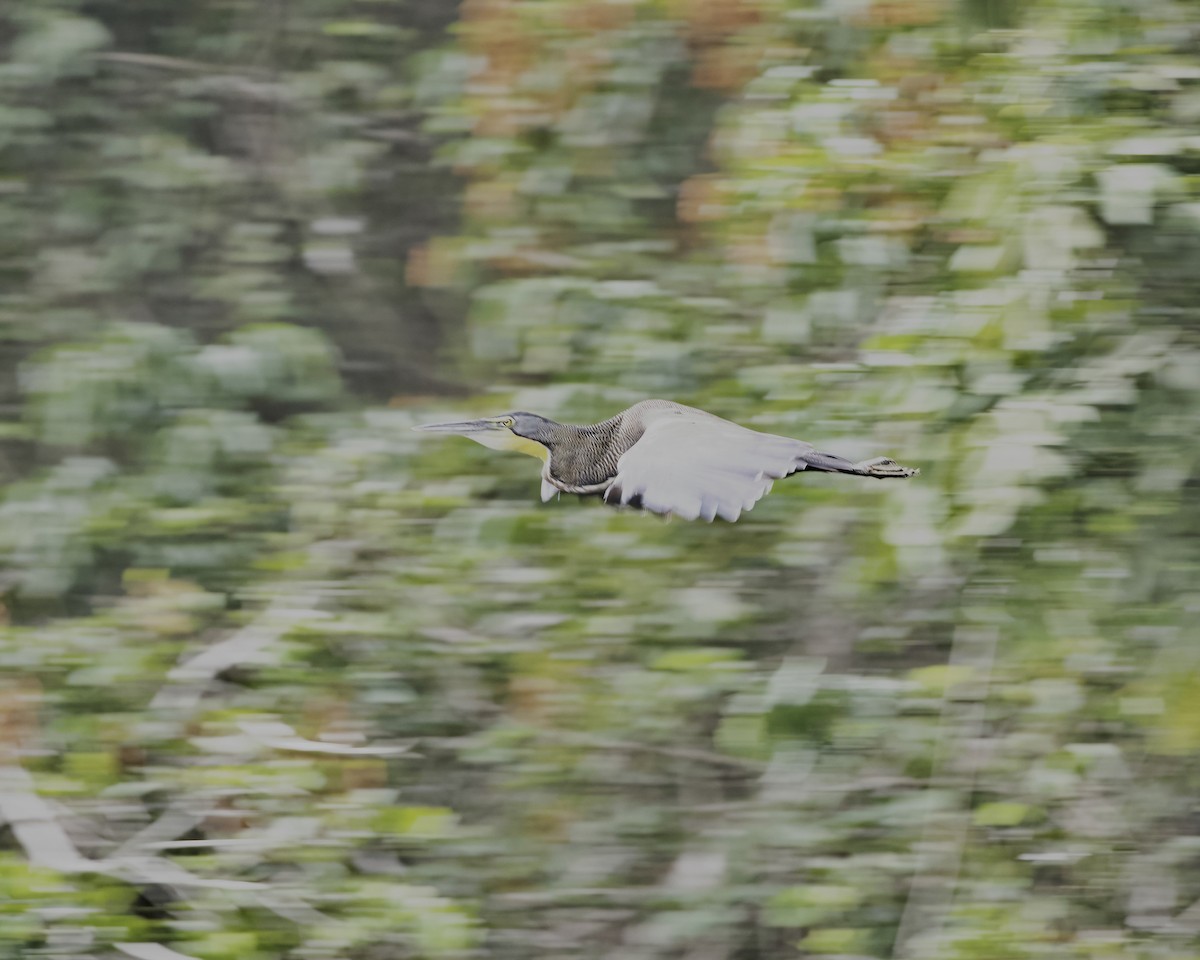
column 697, row 465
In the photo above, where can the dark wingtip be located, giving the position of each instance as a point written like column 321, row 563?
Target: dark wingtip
column 614, row 496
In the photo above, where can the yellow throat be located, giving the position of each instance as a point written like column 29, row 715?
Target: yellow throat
column 507, row 440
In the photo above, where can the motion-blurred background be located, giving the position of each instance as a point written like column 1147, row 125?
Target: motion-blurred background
column 281, row 678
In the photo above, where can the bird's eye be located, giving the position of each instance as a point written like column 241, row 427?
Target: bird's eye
column 508, row 422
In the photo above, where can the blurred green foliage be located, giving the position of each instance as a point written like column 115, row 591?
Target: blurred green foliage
column 279, row 678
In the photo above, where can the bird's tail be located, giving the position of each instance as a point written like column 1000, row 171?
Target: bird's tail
column 881, row 467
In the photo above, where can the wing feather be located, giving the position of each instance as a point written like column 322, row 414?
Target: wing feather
column 697, row 465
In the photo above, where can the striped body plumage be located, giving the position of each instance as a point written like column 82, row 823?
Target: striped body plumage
column 663, row 457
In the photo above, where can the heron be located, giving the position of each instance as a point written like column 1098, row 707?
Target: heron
column 663, row 457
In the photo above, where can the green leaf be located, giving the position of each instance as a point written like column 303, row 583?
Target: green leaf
column 1003, row 813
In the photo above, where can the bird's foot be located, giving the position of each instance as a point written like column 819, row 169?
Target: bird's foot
column 883, row 467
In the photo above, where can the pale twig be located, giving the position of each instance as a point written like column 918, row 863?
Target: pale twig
column 167, row 873
column 178, row 64
column 280, row 736
column 1188, row 922
column 174, row 823
column 189, row 679
column 34, row 825
column 246, row 645
column 46, row 843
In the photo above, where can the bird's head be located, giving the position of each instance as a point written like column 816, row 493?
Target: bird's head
column 523, row 432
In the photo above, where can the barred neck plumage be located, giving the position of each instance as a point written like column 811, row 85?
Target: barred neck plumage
column 583, row 455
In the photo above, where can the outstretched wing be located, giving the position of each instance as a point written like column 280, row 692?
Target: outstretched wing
column 696, row 465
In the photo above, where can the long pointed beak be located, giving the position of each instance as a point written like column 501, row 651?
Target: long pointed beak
column 464, row 428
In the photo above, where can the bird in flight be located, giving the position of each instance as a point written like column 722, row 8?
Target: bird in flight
column 663, row 457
